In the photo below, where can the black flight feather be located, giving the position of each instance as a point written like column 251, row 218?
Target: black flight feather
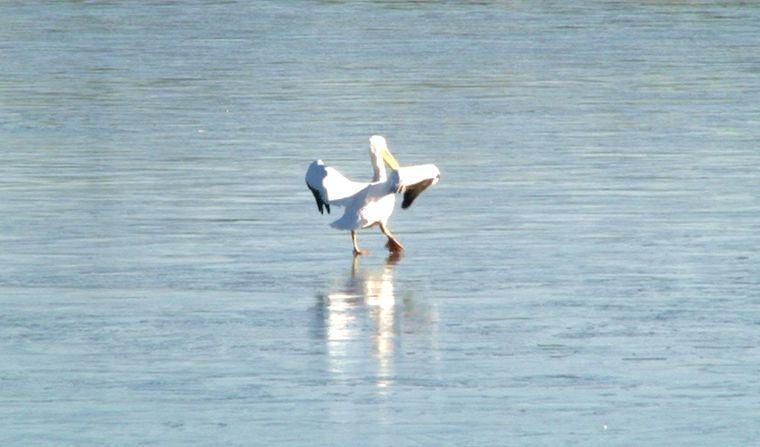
column 411, row 192
column 320, row 202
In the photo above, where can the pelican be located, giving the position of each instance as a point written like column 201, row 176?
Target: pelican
column 369, row 204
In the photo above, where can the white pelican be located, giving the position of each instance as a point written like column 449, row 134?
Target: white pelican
column 369, row 204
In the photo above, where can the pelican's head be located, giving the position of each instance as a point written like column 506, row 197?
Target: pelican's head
column 379, row 148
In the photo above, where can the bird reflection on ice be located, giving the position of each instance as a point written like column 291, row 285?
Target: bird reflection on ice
column 366, row 308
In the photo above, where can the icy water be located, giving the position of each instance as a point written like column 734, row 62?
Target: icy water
column 586, row 272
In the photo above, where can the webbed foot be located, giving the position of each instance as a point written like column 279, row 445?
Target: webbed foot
column 394, row 246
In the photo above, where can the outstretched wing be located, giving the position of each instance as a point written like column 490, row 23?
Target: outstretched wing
column 412, row 180
column 329, row 186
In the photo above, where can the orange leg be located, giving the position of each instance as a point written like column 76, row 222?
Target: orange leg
column 393, row 244
column 357, row 251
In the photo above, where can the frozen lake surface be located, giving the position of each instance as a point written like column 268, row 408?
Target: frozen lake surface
column 586, row 273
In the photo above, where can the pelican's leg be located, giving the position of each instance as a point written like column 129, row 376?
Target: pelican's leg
column 393, row 244
column 357, row 251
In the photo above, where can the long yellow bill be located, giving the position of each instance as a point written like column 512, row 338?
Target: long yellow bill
column 390, row 160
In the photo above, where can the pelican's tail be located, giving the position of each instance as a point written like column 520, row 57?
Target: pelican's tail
column 348, row 221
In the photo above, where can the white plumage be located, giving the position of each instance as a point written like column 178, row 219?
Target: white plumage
column 369, row 203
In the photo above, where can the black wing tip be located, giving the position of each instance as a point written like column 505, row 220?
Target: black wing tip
column 320, row 203
column 407, row 201
column 413, row 191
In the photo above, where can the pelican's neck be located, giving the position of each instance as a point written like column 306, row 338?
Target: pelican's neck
column 379, row 168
